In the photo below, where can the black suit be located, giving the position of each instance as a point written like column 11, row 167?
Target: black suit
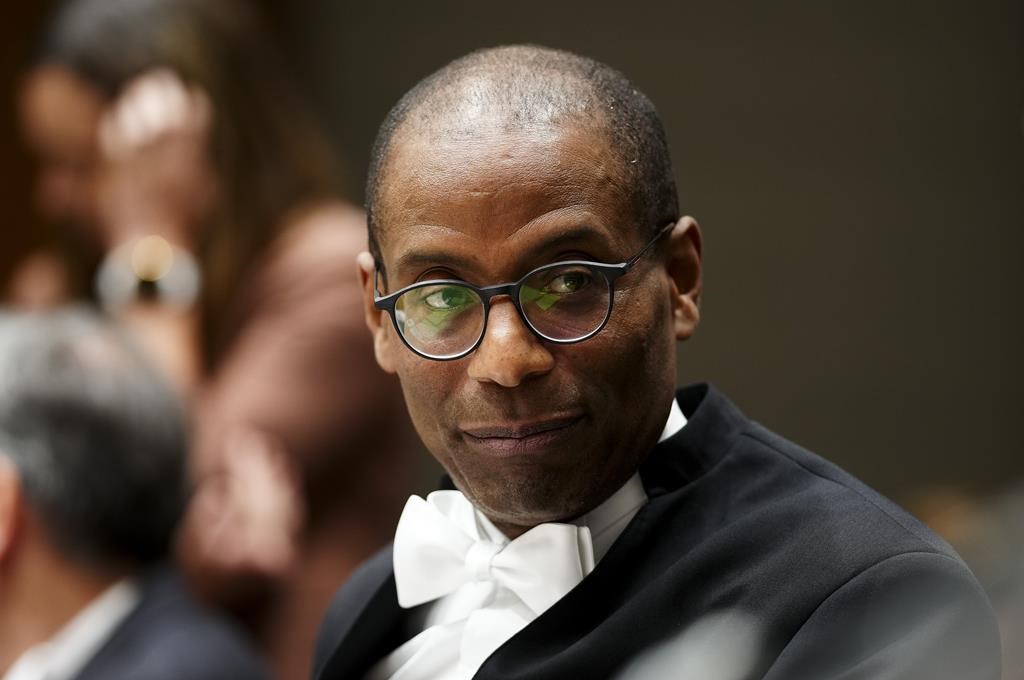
column 169, row 637
column 840, row 581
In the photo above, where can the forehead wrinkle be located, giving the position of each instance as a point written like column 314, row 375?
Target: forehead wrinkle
column 498, row 221
column 490, row 198
column 424, row 233
column 477, row 172
column 577, row 220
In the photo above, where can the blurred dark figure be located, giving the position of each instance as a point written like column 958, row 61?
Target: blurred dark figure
column 92, row 462
column 172, row 145
column 986, row 531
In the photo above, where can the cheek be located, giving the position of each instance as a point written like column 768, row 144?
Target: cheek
column 639, row 339
column 427, row 386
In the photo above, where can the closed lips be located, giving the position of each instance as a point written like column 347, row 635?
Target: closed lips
column 521, row 430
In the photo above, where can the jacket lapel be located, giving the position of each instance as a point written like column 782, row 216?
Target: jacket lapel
column 368, row 626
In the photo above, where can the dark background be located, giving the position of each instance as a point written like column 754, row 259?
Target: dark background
column 857, row 169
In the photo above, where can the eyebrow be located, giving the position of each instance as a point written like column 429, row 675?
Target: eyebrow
column 581, row 235
column 575, row 235
column 418, row 259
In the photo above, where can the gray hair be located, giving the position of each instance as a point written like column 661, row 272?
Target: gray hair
column 97, row 438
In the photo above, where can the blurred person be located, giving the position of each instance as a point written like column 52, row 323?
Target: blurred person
column 172, row 146
column 92, row 485
column 986, row 530
column 529, row 276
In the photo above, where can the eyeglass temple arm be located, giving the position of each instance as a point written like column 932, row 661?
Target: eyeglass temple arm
column 636, row 258
column 377, row 295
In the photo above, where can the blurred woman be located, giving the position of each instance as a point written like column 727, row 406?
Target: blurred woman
column 171, row 144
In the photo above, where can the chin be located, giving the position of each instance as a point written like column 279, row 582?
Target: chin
column 530, row 502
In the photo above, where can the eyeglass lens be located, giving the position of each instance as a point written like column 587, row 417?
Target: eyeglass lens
column 562, row 303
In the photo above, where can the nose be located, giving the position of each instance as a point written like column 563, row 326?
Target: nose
column 509, row 352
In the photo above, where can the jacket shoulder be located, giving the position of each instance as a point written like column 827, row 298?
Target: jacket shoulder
column 913, row 616
column 348, row 603
column 170, row 635
column 842, row 501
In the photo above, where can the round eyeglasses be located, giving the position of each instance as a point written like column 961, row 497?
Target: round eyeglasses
column 562, row 302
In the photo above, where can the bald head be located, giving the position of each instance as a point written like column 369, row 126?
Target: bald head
column 510, row 90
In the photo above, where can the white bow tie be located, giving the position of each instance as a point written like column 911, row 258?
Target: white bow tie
column 433, row 556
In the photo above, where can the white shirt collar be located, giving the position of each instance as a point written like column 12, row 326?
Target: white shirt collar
column 676, row 421
column 608, row 520
column 66, row 653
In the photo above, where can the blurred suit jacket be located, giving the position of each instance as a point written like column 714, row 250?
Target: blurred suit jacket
column 838, row 581
column 169, row 637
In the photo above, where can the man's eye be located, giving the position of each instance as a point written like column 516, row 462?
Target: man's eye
column 554, row 287
column 568, row 282
column 449, row 297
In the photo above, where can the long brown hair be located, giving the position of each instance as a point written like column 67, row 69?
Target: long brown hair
column 270, row 157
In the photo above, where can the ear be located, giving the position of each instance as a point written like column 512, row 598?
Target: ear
column 684, row 270
column 10, row 506
column 376, row 320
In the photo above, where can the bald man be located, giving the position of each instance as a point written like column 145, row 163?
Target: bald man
column 529, row 276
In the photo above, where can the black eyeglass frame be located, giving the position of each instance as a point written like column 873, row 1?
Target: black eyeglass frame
column 611, row 272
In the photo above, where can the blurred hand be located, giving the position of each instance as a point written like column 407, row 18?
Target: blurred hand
column 245, row 520
column 156, row 176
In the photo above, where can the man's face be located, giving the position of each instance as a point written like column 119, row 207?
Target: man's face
column 530, row 431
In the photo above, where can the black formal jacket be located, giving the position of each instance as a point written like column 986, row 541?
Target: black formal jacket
column 170, row 637
column 840, row 582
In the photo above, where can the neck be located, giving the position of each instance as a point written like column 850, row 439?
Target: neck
column 512, row 531
column 39, row 593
